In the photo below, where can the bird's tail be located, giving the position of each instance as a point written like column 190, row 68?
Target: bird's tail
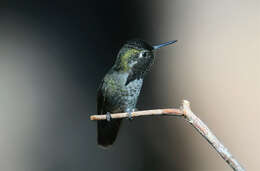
column 107, row 132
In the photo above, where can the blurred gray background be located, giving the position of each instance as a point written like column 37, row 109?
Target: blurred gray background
column 54, row 54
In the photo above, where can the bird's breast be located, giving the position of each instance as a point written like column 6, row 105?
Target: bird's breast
column 122, row 95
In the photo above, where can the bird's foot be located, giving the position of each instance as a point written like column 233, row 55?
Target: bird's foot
column 129, row 112
column 108, row 117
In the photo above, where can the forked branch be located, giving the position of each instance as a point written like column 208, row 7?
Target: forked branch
column 188, row 115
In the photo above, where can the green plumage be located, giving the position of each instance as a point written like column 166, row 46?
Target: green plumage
column 120, row 88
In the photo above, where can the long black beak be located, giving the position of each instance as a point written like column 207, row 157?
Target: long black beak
column 164, row 44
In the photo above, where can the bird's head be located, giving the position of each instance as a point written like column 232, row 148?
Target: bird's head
column 136, row 54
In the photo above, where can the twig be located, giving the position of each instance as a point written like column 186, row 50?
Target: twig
column 188, row 115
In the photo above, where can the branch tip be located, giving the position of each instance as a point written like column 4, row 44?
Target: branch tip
column 186, row 104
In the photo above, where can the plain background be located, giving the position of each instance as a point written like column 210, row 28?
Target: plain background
column 54, row 54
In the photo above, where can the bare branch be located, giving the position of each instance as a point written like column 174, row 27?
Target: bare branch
column 188, row 115
column 175, row 112
column 210, row 137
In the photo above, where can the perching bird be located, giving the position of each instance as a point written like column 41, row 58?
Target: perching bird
column 120, row 88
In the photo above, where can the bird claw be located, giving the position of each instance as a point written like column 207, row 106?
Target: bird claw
column 129, row 112
column 108, row 117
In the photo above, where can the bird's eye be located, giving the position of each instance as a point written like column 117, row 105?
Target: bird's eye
column 143, row 54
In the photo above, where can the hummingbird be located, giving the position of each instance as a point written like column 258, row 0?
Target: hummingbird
column 121, row 86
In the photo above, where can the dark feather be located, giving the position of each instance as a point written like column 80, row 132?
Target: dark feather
column 140, row 44
column 136, row 72
column 132, row 76
column 107, row 131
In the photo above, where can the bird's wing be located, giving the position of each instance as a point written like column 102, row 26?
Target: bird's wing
column 107, row 131
column 100, row 99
